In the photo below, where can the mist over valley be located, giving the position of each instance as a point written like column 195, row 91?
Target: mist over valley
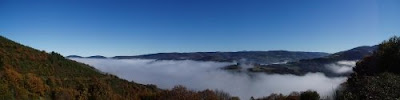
column 199, row 50
column 200, row 75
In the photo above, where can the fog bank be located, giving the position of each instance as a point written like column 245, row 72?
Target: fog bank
column 341, row 67
column 208, row 75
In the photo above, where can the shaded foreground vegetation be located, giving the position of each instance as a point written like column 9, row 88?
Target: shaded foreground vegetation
column 306, row 95
column 375, row 77
column 26, row 73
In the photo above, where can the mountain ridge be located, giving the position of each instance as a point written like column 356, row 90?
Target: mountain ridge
column 304, row 66
column 263, row 57
column 279, row 65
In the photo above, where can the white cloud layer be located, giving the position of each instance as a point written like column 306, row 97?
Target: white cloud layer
column 341, row 67
column 207, row 75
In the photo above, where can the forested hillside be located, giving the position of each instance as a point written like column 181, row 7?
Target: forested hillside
column 305, row 66
column 376, row 77
column 27, row 73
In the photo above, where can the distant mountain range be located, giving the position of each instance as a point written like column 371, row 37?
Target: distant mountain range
column 259, row 57
column 304, row 66
column 76, row 56
column 282, row 62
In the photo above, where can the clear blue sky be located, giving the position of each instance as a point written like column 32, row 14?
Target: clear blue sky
column 127, row 27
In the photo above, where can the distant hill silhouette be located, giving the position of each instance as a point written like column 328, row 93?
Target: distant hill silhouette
column 304, row 66
column 260, row 57
column 281, row 62
column 74, row 56
column 98, row 57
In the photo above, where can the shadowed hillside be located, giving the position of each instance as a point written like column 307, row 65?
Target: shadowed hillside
column 375, row 77
column 26, row 73
column 304, row 66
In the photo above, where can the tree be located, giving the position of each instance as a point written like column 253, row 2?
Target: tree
column 309, row 95
column 376, row 76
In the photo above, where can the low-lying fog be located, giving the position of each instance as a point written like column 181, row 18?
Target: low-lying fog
column 198, row 75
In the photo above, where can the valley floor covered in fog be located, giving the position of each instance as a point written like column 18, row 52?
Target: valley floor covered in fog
column 199, row 75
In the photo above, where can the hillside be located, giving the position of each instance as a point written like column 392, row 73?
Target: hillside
column 376, row 77
column 317, row 64
column 260, row 57
column 27, row 73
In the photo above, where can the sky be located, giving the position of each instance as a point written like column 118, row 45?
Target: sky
column 129, row 27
